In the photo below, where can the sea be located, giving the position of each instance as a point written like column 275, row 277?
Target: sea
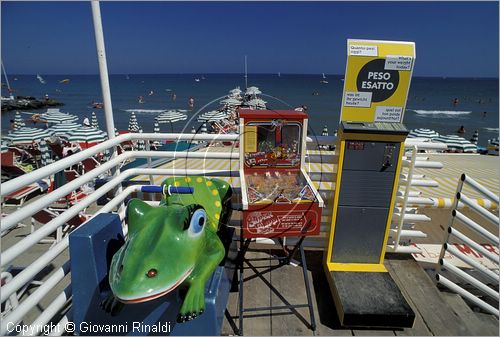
column 441, row 104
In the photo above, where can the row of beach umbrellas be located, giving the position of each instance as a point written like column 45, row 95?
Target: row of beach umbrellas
column 453, row 142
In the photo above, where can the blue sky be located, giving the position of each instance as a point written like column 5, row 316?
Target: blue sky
column 454, row 39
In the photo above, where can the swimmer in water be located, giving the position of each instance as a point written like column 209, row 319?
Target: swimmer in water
column 461, row 129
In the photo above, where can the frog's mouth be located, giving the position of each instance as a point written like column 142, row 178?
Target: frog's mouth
column 158, row 293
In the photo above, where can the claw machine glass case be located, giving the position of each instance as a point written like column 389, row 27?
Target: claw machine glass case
column 278, row 197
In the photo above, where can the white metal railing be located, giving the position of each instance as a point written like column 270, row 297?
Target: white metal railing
column 405, row 216
column 490, row 274
column 16, row 311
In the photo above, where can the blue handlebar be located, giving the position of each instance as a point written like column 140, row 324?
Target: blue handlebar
column 170, row 190
column 180, row 189
column 152, row 189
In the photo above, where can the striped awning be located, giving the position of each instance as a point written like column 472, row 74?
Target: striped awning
column 27, row 135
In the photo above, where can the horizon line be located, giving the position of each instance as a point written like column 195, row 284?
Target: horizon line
column 238, row 73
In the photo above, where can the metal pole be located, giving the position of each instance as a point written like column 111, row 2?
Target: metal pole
column 103, row 68
column 246, row 76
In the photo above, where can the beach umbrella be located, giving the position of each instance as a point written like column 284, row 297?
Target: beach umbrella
column 85, row 135
column 171, row 116
column 133, row 126
column 252, row 91
column 423, row 133
column 457, row 143
column 27, row 135
column 325, row 131
column 62, row 128
column 475, row 137
column 5, row 148
column 230, row 101
column 18, row 121
column 256, row 103
column 156, row 129
column 235, row 91
column 93, row 121
column 141, row 146
column 58, row 117
column 212, row 116
column 45, row 153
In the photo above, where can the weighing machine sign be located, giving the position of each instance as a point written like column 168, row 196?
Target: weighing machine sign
column 377, row 80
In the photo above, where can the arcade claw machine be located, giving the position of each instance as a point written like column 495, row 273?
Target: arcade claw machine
column 278, row 197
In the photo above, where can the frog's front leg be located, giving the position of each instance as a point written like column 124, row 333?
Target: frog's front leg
column 194, row 301
column 112, row 305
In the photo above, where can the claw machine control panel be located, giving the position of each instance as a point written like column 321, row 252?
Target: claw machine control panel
column 278, row 196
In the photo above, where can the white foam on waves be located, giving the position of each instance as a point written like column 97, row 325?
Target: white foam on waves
column 143, row 110
column 441, row 112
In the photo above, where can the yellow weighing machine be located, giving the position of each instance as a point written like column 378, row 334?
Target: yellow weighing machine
column 370, row 144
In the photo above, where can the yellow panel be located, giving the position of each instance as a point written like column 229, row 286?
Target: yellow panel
column 340, row 146
column 250, row 138
column 357, row 267
column 393, row 200
column 377, row 80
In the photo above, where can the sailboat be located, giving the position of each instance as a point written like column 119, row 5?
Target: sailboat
column 11, row 97
column 279, row 74
column 40, row 78
column 324, row 79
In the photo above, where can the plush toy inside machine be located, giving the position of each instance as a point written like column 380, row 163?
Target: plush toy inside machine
column 279, row 198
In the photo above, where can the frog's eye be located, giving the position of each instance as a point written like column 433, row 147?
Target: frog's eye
column 151, row 273
column 198, row 220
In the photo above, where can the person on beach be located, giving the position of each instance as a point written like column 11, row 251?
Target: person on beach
column 86, row 121
column 191, row 102
column 461, row 129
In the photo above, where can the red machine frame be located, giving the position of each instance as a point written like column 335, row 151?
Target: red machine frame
column 272, row 152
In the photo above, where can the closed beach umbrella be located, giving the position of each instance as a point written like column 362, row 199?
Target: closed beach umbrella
column 133, row 126
column 93, row 121
column 45, row 153
column 18, row 121
column 141, row 146
column 171, row 116
column 156, row 129
column 423, row 133
column 456, row 143
column 325, row 131
column 475, row 137
column 26, row 135
column 204, row 128
column 85, row 135
column 63, row 128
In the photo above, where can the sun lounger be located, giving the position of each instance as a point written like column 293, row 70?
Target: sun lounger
column 46, row 215
column 17, row 198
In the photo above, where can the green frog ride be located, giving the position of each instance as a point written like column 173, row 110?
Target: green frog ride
column 174, row 245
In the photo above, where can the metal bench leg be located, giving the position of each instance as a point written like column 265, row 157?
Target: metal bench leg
column 308, row 289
